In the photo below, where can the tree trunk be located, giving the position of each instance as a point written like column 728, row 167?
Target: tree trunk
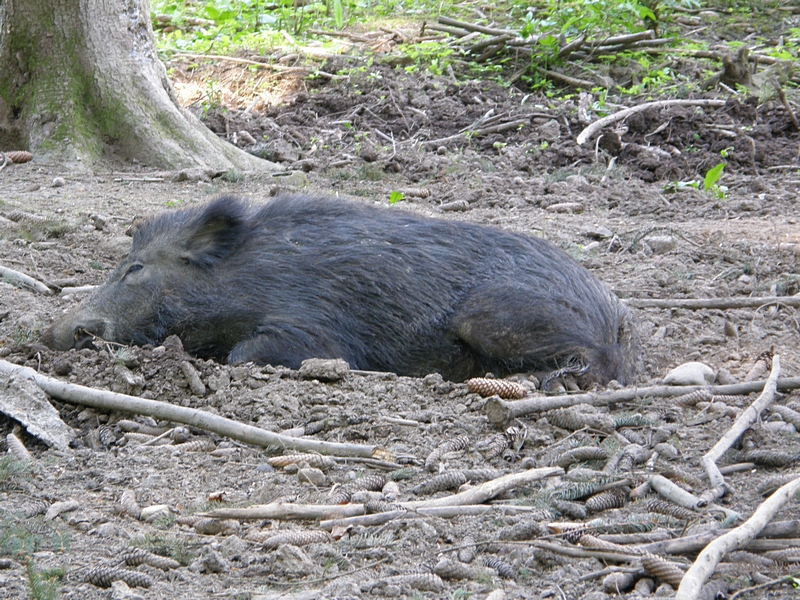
column 80, row 83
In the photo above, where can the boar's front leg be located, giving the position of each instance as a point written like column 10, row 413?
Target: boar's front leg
column 286, row 344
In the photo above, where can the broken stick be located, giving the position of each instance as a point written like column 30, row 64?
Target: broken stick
column 248, row 434
column 709, row 558
column 742, row 423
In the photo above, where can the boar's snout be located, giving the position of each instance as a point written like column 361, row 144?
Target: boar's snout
column 66, row 334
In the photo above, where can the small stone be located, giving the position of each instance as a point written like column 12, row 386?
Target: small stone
column 62, row 366
column 690, row 373
column 369, row 155
column 579, row 183
column 324, row 369
column 645, row 586
column 724, row 377
column 312, row 476
column 121, row 591
column 599, row 233
column 664, row 591
column 99, row 222
column 749, row 206
column 213, row 562
column 661, row 244
column 549, row 131
column 59, row 182
column 565, row 207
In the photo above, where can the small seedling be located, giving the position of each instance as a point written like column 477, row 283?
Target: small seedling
column 395, row 197
column 710, row 185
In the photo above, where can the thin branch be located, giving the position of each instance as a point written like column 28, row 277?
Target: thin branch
column 742, row 423
column 501, row 411
column 790, row 579
column 178, row 414
column 479, row 132
column 253, row 63
column 707, row 561
column 587, row 133
column 583, row 553
column 440, row 512
column 472, row 27
column 25, row 280
column 719, row 303
column 487, row 490
column 287, row 512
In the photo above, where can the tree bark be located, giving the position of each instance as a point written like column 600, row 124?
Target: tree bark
column 81, row 83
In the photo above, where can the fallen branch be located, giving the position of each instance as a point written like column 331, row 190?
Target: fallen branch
column 583, row 553
column 720, row 303
column 785, row 103
column 5, row 160
column 286, row 512
column 243, row 61
column 488, row 490
column 472, row 27
column 566, row 79
column 25, row 280
column 692, row 544
column 674, row 493
column 81, row 289
column 706, row 562
column 742, row 423
column 501, row 411
column 479, row 132
column 248, row 434
column 440, row 512
column 790, row 579
column 589, row 131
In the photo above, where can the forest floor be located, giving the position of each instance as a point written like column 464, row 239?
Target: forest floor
column 634, row 223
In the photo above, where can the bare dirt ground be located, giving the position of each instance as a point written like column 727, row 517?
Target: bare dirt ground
column 364, row 137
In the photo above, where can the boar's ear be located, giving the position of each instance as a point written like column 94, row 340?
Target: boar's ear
column 218, row 232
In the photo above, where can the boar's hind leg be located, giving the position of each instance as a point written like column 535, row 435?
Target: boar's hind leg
column 281, row 344
column 515, row 328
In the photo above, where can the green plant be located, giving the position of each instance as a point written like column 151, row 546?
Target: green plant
column 43, row 584
column 433, row 56
column 710, row 185
column 21, row 537
column 212, row 99
column 11, row 467
column 395, row 197
column 338, row 14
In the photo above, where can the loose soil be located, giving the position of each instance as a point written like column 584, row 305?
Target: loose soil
column 365, row 136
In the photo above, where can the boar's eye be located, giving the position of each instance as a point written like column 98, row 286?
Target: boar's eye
column 133, row 268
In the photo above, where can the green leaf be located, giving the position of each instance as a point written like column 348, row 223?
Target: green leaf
column 395, row 197
column 338, row 14
column 712, row 177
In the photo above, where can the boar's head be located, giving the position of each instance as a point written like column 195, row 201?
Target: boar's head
column 169, row 282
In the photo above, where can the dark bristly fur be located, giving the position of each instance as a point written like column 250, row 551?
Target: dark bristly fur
column 301, row 277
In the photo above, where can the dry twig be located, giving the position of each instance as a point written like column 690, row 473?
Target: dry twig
column 745, row 420
column 738, row 538
column 248, row 434
column 589, row 131
column 718, row 303
column 25, row 280
column 501, row 411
